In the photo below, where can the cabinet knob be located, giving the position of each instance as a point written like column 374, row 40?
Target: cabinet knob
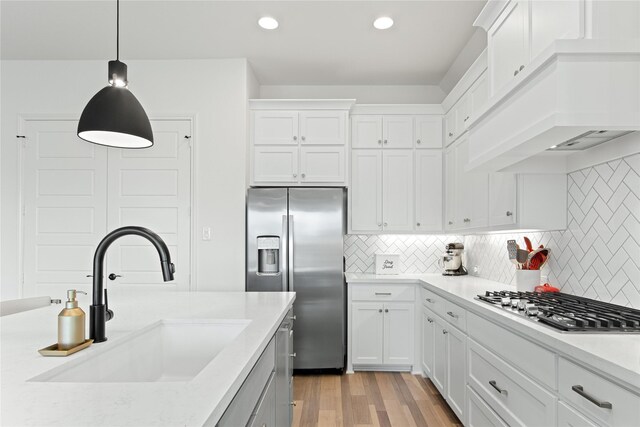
column 295, row 175
column 293, row 404
column 430, row 320
column 303, row 175
column 293, row 317
column 509, row 213
column 444, row 332
column 521, row 68
column 379, row 141
column 385, row 141
column 418, row 141
column 385, row 224
column 303, row 138
column 450, row 222
column 386, row 310
column 293, row 355
column 450, row 134
column 429, row 300
column 465, row 119
column 379, row 310
column 295, row 138
column 379, row 224
column 515, row 73
column 418, row 224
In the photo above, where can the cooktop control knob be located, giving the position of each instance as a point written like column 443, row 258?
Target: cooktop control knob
column 505, row 301
column 514, row 302
column 531, row 310
column 521, row 304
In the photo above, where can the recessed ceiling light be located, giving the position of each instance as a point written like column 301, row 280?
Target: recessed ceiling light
column 383, row 23
column 268, row 23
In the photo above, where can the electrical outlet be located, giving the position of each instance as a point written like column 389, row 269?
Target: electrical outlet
column 206, row 233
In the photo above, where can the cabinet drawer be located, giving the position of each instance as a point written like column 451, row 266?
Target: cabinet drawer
column 535, row 361
column 481, row 414
column 513, row 396
column 383, row 293
column 245, row 401
column 455, row 315
column 588, row 392
column 567, row 417
column 264, row 414
column 434, row 302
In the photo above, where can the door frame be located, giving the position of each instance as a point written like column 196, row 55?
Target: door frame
column 23, row 121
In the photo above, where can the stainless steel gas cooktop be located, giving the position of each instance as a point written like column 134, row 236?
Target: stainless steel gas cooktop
column 567, row 313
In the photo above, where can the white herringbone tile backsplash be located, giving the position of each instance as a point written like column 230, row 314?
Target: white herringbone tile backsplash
column 418, row 254
column 598, row 256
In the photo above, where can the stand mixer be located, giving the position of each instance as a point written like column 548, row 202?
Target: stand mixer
column 451, row 261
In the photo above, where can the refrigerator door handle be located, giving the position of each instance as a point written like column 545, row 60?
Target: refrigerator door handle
column 290, row 238
column 283, row 258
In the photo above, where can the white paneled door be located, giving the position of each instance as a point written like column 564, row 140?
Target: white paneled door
column 75, row 192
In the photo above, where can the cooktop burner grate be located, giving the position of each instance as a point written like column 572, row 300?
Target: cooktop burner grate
column 567, row 312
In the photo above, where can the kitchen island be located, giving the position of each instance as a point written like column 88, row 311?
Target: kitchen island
column 201, row 400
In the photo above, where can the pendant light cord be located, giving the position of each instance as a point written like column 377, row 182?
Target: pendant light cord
column 117, row 30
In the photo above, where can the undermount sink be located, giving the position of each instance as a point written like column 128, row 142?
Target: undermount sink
column 166, row 351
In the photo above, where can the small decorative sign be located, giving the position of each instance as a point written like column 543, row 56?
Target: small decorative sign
column 387, row 263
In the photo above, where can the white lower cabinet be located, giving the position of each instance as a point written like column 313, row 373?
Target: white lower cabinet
column 568, row 417
column 479, row 414
column 381, row 326
column 428, row 335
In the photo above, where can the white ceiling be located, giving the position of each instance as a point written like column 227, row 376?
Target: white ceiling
column 318, row 42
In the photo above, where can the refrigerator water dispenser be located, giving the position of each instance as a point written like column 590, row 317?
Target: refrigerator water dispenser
column 268, row 255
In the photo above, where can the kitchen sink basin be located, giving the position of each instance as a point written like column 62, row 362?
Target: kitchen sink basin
column 166, row 351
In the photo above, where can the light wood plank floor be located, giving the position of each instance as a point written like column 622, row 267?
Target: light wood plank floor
column 369, row 399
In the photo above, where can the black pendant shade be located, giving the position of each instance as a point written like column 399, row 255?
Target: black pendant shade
column 114, row 117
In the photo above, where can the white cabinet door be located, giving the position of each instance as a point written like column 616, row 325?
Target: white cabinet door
column 322, row 165
column 366, row 131
column 323, row 127
column 478, row 95
column 397, row 131
column 456, row 378
column 508, row 43
column 439, row 370
column 472, row 190
column 450, row 126
column 450, row 195
column 275, row 127
column 397, row 192
column 428, row 335
column 428, row 197
column 502, row 199
column 275, row 165
column 428, row 131
column 367, row 328
column 366, row 190
column 463, row 204
column 398, row 333
column 463, row 113
column 552, row 20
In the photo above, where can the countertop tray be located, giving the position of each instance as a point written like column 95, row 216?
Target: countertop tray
column 52, row 350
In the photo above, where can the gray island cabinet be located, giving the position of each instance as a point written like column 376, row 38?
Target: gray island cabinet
column 265, row 398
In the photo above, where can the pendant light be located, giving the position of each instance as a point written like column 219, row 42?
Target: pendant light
column 114, row 117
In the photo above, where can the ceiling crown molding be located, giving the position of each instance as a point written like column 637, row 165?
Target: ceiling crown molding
column 490, row 13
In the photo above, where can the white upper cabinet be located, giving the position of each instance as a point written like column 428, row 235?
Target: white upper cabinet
column 366, row 131
column 299, row 142
column 365, row 194
column 275, row 128
column 397, row 190
column 323, row 127
column 502, row 199
column 397, row 131
column 428, row 196
column 428, row 131
column 322, row 164
column 275, row 164
column 450, row 181
column 450, row 126
column 463, row 113
column 478, row 96
column 551, row 20
column 508, row 44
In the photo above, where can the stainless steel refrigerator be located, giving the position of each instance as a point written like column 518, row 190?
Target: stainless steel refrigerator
column 294, row 243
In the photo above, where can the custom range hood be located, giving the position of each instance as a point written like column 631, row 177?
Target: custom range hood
column 576, row 96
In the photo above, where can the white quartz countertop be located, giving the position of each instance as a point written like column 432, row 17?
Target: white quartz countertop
column 616, row 355
column 196, row 402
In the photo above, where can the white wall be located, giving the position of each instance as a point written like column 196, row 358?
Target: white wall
column 389, row 94
column 215, row 92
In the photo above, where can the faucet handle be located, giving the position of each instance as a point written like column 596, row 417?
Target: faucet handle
column 109, row 314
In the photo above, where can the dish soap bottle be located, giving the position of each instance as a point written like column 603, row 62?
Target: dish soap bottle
column 71, row 323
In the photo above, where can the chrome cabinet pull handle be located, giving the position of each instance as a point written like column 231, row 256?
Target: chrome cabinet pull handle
column 295, row 138
column 293, row 404
column 386, row 310
column 450, row 313
column 430, row 320
column 293, row 317
column 418, row 141
column 515, row 73
column 379, row 141
column 379, row 310
column 502, row 391
column 429, row 300
column 303, row 175
column 385, row 141
column 450, row 222
column 383, row 293
column 303, row 138
column 444, row 332
column 450, row 134
column 509, row 213
column 580, row 390
column 114, row 276
column 293, row 355
column 521, row 68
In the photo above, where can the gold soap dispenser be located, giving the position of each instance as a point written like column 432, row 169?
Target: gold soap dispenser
column 71, row 323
